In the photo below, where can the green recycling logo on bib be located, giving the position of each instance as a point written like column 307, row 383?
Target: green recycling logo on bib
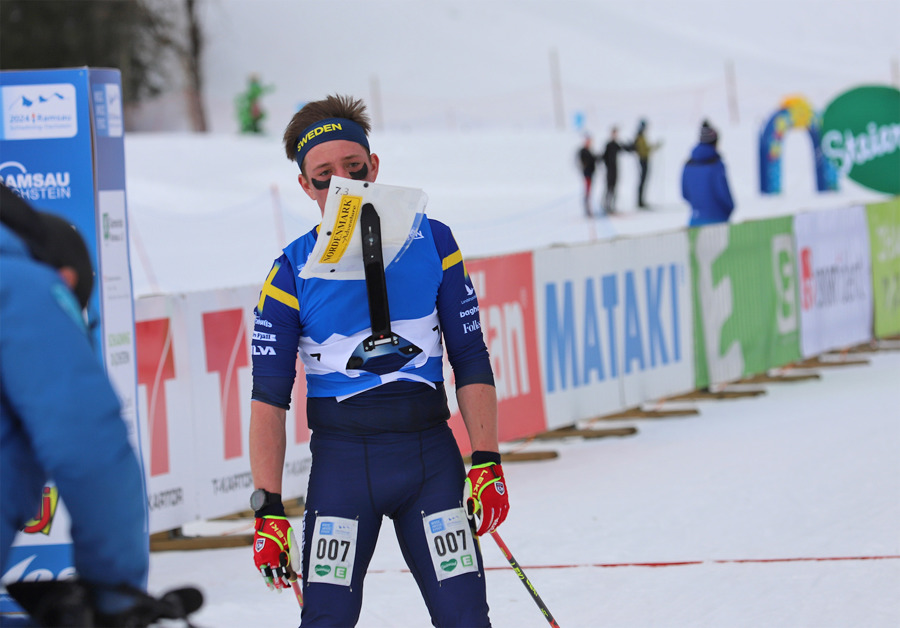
column 861, row 136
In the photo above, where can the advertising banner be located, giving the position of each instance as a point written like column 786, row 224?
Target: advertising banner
column 835, row 279
column 795, row 112
column 613, row 325
column 504, row 288
column 220, row 325
column 62, row 150
column 861, row 136
column 884, row 240
column 194, row 371
column 166, row 409
column 746, row 307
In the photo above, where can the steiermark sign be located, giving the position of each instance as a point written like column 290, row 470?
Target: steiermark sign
column 861, row 136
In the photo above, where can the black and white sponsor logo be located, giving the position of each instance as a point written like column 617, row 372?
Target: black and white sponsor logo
column 472, row 310
column 297, row 468
column 231, row 483
column 263, row 322
column 263, row 350
column 263, row 336
column 471, row 327
column 470, row 294
column 165, row 499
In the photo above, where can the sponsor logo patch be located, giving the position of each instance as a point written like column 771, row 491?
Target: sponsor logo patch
column 449, row 565
column 39, row 111
column 342, row 231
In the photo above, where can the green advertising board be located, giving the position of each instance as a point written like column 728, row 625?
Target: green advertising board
column 746, row 307
column 884, row 243
column 861, row 136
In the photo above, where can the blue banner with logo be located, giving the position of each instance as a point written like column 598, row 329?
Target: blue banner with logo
column 62, row 149
column 45, row 149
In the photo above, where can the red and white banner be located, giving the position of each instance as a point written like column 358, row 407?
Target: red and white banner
column 504, row 287
column 194, row 387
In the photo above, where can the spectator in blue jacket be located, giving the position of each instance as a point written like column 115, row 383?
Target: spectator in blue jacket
column 60, row 418
column 704, row 183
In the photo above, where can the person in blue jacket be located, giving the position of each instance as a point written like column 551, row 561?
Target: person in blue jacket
column 60, row 418
column 704, row 183
column 381, row 445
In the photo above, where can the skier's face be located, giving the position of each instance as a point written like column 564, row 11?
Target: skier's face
column 341, row 158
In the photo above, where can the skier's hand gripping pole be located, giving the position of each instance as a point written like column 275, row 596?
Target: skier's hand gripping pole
column 276, row 552
column 485, row 495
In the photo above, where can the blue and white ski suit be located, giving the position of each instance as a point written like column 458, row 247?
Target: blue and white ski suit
column 380, row 443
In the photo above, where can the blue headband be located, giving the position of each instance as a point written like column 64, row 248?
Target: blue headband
column 326, row 131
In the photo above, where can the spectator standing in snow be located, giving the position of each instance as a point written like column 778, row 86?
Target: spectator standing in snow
column 643, row 148
column 588, row 161
column 380, row 441
column 704, row 183
column 249, row 109
column 610, row 159
column 60, row 418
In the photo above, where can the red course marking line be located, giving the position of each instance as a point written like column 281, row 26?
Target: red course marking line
column 703, row 562
column 678, row 563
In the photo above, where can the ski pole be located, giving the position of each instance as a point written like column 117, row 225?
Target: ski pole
column 515, row 566
column 295, row 585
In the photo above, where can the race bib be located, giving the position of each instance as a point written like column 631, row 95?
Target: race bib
column 333, row 551
column 451, row 544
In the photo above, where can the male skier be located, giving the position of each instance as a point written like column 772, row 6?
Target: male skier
column 380, row 441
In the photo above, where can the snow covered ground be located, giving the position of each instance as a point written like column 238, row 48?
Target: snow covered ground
column 781, row 510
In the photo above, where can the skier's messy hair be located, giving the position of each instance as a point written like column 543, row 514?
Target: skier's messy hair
column 332, row 106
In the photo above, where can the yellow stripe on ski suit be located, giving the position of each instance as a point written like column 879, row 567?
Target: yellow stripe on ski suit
column 268, row 290
column 452, row 259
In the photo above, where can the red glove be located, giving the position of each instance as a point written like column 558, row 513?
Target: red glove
column 275, row 552
column 485, row 492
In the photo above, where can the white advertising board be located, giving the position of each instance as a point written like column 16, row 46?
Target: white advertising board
column 835, row 274
column 195, row 386
column 614, row 325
